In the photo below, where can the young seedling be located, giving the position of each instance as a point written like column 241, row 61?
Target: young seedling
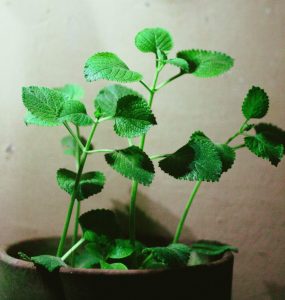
column 200, row 159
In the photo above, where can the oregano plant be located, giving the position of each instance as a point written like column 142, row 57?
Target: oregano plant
column 101, row 243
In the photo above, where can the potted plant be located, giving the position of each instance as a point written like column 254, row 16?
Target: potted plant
column 102, row 262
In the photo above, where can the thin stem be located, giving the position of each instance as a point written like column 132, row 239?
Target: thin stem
column 241, row 131
column 145, row 85
column 168, row 81
column 185, row 212
column 74, row 135
column 239, row 146
column 73, row 196
column 158, row 156
column 130, row 141
column 99, row 151
column 105, row 119
column 72, row 249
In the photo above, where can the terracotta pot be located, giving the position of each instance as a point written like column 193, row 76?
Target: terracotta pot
column 20, row 280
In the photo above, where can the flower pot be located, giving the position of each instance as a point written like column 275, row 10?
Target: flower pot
column 20, row 280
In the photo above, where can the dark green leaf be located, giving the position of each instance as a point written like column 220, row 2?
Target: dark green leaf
column 132, row 163
column 121, row 249
column 106, row 100
column 227, row 156
column 115, row 266
column 255, row 104
column 85, row 260
column 72, row 92
column 153, row 39
column 204, row 63
column 133, row 117
column 109, row 66
column 262, row 147
column 180, row 63
column 91, row 183
column 212, row 249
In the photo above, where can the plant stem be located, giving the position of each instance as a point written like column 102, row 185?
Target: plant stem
column 241, row 130
column 185, row 212
column 72, row 249
column 73, row 196
column 158, row 156
column 74, row 135
column 99, row 150
column 239, row 146
column 168, row 81
column 145, row 85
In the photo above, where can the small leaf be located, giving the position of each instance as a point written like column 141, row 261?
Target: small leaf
column 133, row 117
column 262, row 147
column 180, row 63
column 255, row 104
column 227, row 156
column 43, row 103
column 98, row 222
column 106, row 100
column 115, row 266
column 69, row 145
column 72, row 92
column 212, row 249
column 32, row 120
column 98, row 250
column 271, row 132
column 85, row 260
column 204, row 63
column 197, row 160
column 75, row 112
column 91, row 183
column 132, row 163
column 107, row 65
column 121, row 249
column 154, row 39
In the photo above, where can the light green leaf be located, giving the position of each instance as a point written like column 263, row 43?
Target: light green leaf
column 180, row 63
column 72, row 92
column 115, row 266
column 106, row 100
column 32, row 120
column 272, row 133
column 91, row 183
column 132, row 163
column 43, row 103
column 121, row 249
column 211, row 249
column 98, row 250
column 197, row 160
column 262, row 147
column 107, row 65
column 99, row 222
column 255, row 104
column 154, row 39
column 75, row 112
column 133, row 117
column 204, row 63
column 196, row 259
column 227, row 156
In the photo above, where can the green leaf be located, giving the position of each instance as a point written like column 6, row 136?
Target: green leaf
column 32, row 120
column 75, row 112
column 154, row 39
column 98, row 250
column 212, row 249
column 86, row 260
column 204, row 63
column 255, row 104
column 98, row 222
column 115, row 266
column 48, row 262
column 69, row 145
column 262, row 147
column 198, row 259
column 271, row 132
column 133, row 117
column 227, row 156
column 132, row 163
column 180, row 63
column 197, row 160
column 43, row 103
column 91, row 183
column 72, row 92
column 121, row 249
column 106, row 100
column 172, row 256
column 107, row 65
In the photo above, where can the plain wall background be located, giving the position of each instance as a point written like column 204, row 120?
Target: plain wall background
column 47, row 42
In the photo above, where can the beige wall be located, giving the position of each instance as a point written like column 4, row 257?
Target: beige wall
column 47, row 42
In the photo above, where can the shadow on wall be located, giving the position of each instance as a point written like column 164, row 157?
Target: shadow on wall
column 146, row 224
column 275, row 291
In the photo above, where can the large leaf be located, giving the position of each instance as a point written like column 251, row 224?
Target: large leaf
column 91, row 183
column 133, row 117
column 107, row 65
column 262, row 147
column 43, row 103
column 72, row 92
column 32, row 120
column 120, row 249
column 255, row 104
column 99, row 222
column 132, row 163
column 212, row 249
column 197, row 160
column 153, row 39
column 227, row 156
column 106, row 101
column 204, row 63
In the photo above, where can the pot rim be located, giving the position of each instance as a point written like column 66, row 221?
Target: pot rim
column 19, row 263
